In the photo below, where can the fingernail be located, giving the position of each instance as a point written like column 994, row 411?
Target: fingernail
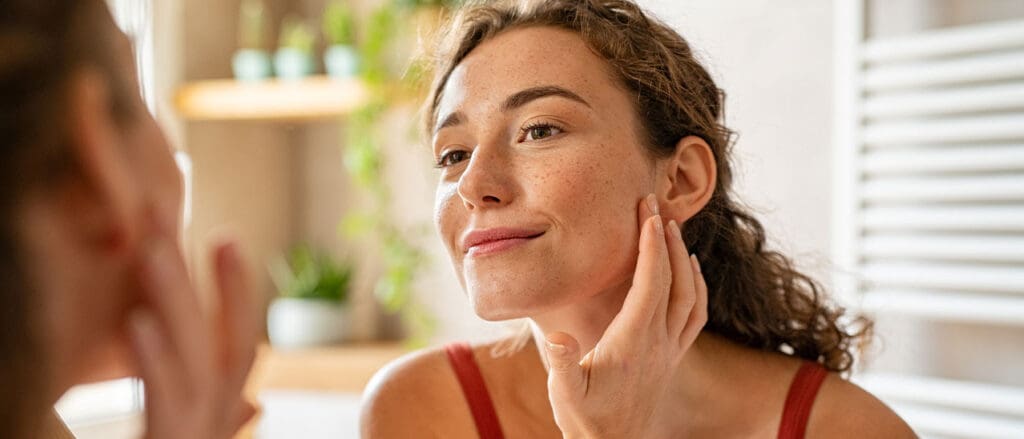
column 696, row 262
column 652, row 203
column 674, row 226
column 658, row 226
column 556, row 349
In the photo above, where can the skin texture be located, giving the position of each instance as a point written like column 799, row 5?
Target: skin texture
column 103, row 254
column 603, row 275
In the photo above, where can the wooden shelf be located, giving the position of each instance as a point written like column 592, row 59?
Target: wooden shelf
column 317, row 97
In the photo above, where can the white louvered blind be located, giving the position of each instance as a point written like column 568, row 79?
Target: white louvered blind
column 930, row 202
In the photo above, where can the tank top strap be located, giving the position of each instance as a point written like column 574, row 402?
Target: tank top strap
column 460, row 355
column 802, row 393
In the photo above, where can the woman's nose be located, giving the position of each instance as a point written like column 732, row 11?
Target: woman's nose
column 486, row 181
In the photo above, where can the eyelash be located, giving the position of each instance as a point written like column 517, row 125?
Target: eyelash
column 532, row 126
column 442, row 161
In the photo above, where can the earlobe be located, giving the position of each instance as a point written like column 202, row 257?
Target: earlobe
column 690, row 179
column 101, row 176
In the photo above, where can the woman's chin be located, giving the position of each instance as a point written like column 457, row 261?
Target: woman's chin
column 501, row 306
column 492, row 312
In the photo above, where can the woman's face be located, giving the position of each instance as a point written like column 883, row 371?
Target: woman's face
column 542, row 168
column 87, row 300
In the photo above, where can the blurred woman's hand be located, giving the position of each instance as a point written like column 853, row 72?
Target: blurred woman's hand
column 194, row 370
column 617, row 388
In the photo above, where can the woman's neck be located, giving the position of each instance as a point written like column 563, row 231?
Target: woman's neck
column 585, row 320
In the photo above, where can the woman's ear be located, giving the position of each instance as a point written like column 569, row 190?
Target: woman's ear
column 101, row 194
column 688, row 181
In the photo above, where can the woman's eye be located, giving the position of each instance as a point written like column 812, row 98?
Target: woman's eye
column 451, row 158
column 540, row 132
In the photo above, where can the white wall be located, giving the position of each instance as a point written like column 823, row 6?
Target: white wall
column 775, row 64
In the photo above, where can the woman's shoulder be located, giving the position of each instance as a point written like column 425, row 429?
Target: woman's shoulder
column 844, row 409
column 410, row 394
column 417, row 395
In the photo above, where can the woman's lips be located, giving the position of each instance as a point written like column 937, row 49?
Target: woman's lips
column 490, row 241
column 496, row 246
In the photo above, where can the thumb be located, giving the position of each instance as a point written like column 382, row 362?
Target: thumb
column 566, row 377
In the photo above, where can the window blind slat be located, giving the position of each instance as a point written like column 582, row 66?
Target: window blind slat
column 961, row 158
column 968, row 69
column 943, row 276
column 945, row 189
column 945, row 101
column 946, row 42
column 945, row 306
column 990, row 128
column 995, row 219
column 999, row 249
column 949, row 393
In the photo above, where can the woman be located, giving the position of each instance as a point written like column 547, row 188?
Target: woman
column 92, row 282
column 570, row 134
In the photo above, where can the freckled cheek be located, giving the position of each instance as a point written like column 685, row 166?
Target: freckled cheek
column 587, row 192
column 448, row 216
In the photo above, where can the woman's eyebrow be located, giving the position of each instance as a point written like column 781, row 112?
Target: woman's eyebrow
column 524, row 97
column 451, row 120
column 516, row 100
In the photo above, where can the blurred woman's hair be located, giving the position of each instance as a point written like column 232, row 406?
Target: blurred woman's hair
column 42, row 42
column 756, row 296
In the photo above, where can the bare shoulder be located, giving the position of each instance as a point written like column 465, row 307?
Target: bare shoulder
column 416, row 395
column 844, row 409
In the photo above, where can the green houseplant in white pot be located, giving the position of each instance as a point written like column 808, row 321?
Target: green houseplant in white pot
column 251, row 61
column 294, row 58
column 341, row 59
column 312, row 307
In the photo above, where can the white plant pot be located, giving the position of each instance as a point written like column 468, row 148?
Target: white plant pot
column 341, row 61
column 251, row 65
column 299, row 323
column 291, row 64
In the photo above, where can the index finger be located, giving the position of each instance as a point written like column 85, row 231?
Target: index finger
column 169, row 293
column 651, row 279
column 237, row 316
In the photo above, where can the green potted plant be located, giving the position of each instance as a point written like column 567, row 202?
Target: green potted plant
column 294, row 58
column 311, row 309
column 341, row 58
column 251, row 61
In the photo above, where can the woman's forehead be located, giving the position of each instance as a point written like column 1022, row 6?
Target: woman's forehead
column 519, row 59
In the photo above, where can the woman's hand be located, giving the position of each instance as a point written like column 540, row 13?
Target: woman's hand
column 194, row 370
column 616, row 389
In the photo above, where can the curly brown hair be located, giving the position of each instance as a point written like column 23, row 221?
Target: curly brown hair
column 756, row 296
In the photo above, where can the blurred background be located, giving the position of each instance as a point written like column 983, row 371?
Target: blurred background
column 881, row 142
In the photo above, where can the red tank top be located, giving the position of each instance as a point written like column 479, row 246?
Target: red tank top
column 795, row 413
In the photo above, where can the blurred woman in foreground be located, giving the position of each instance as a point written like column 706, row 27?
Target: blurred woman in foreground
column 92, row 281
